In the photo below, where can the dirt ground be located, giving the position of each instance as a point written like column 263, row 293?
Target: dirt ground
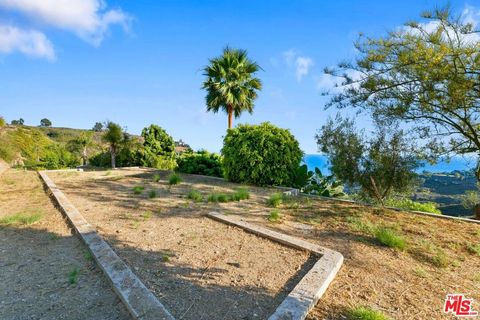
column 408, row 284
column 199, row 268
column 45, row 271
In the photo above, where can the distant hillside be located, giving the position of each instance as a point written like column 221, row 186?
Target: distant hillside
column 446, row 189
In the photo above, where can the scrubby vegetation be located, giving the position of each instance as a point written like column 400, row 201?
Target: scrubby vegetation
column 201, row 162
column 313, row 182
column 21, row 218
column 365, row 313
column 274, row 215
column 275, row 199
column 408, row 204
column 238, row 195
column 195, row 195
column 174, row 179
column 261, row 154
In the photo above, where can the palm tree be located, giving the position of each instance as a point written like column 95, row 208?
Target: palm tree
column 83, row 142
column 114, row 137
column 231, row 84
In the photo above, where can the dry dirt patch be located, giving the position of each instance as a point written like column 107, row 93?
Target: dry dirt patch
column 199, row 268
column 45, row 271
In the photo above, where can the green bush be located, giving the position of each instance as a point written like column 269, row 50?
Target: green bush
column 201, row 162
column 365, row 313
column 57, row 157
column 275, row 199
column 156, row 178
column 261, row 154
column 174, row 179
column 240, row 194
column 408, row 204
column 159, row 148
column 195, row 196
column 152, row 194
column 2, row 122
column 274, row 216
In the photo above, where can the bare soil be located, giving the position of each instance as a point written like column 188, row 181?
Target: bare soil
column 199, row 268
column 408, row 284
column 38, row 261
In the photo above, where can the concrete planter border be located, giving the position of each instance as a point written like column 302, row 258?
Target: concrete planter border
column 312, row 286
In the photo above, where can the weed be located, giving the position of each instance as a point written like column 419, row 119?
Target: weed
column 156, row 178
column 147, row 215
column 275, row 199
column 440, row 259
column 240, row 194
column 474, row 249
column 20, row 218
column 108, row 173
column 195, row 196
column 87, row 255
column 73, row 276
column 152, row 194
column 274, row 216
column 365, row 313
column 116, row 178
column 174, row 179
column 420, row 272
column 138, row 189
column 389, row 238
column 357, row 224
column 223, row 197
column 165, row 257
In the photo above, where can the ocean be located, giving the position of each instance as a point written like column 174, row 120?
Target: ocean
column 456, row 163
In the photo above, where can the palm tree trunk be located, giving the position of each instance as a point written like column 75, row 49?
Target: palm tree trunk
column 230, row 114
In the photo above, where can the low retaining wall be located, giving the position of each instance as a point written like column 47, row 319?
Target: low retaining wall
column 140, row 302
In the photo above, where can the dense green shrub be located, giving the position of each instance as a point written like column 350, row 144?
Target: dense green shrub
column 2, row 122
column 195, row 195
column 57, row 157
column 159, row 148
column 408, row 204
column 201, row 162
column 174, row 179
column 261, row 154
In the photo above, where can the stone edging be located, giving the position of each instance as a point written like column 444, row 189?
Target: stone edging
column 312, row 286
column 140, row 302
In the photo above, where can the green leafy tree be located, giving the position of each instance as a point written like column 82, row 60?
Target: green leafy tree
column 98, row 127
column 82, row 143
column 18, row 122
column 231, row 84
column 379, row 166
column 159, row 148
column 2, row 122
column 45, row 123
column 261, row 154
column 426, row 74
column 114, row 137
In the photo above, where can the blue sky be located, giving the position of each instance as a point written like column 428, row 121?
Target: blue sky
column 139, row 62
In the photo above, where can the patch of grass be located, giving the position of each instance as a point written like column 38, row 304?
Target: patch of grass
column 365, row 313
column 165, row 258
column 427, row 251
column 20, row 218
column 138, row 189
column 274, row 216
column 474, row 249
column 408, row 204
column 390, row 238
column 87, row 255
column 420, row 272
column 440, row 259
column 152, row 194
column 73, row 276
column 275, row 199
column 357, row 224
column 109, row 172
column 195, row 195
column 156, row 178
column 241, row 194
column 147, row 215
column 116, row 178
column 174, row 179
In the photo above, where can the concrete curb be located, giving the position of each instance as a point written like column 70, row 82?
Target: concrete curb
column 140, row 302
column 312, row 286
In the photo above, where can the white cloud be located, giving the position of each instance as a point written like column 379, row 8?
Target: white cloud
column 302, row 64
column 88, row 19
column 29, row 42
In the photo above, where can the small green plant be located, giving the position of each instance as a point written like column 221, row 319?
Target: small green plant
column 420, row 272
column 365, row 313
column 357, row 224
column 108, row 173
column 474, row 249
column 274, row 216
column 240, row 194
column 152, row 194
column 138, row 189
column 174, row 179
column 147, row 215
column 389, row 238
column 156, row 178
column 87, row 255
column 223, row 197
column 165, row 258
column 195, row 195
column 440, row 259
column 73, row 276
column 20, row 218
column 275, row 199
